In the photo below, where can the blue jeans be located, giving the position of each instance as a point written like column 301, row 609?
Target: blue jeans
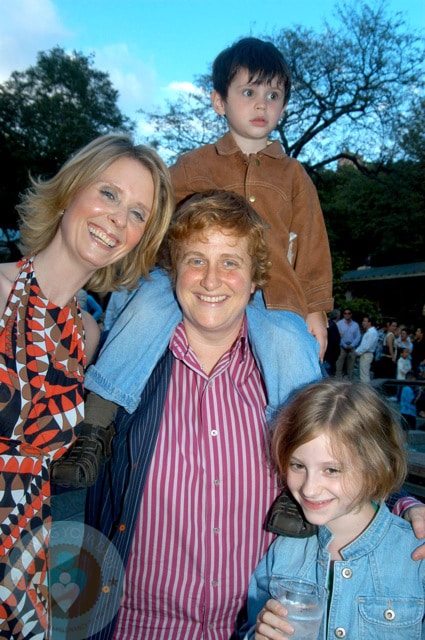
column 286, row 354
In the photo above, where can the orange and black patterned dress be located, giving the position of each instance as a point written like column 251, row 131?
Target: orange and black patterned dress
column 41, row 403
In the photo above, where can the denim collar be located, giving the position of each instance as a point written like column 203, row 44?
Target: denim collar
column 367, row 541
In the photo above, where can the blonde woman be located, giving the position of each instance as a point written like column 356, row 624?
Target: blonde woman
column 99, row 221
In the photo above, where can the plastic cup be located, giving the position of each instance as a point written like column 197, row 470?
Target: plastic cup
column 305, row 602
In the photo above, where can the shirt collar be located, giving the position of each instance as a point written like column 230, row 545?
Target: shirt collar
column 182, row 350
column 367, row 541
column 227, row 146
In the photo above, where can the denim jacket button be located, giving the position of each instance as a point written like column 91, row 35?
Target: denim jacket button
column 389, row 614
column 340, row 632
column 347, row 573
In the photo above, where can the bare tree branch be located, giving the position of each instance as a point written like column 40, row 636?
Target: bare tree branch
column 354, row 84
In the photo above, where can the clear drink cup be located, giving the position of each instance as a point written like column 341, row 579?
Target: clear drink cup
column 305, row 602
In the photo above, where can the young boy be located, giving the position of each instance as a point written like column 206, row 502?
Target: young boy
column 252, row 84
column 404, row 364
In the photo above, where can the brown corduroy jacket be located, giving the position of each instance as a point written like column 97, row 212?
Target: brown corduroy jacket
column 282, row 193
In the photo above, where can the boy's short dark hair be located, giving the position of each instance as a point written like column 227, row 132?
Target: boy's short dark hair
column 263, row 60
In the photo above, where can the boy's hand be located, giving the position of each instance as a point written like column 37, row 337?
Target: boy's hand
column 271, row 624
column 316, row 324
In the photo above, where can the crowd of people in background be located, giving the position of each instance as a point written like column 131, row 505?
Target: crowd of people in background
column 388, row 350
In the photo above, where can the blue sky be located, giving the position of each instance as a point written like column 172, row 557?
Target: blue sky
column 151, row 48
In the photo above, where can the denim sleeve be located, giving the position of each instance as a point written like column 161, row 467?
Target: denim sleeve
column 258, row 594
column 286, row 353
column 135, row 343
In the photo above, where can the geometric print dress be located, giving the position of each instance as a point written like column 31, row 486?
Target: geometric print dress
column 41, row 403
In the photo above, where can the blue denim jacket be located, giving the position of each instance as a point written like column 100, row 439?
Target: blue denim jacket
column 287, row 355
column 378, row 590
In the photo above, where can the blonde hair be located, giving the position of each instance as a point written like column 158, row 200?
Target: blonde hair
column 42, row 205
column 359, row 423
column 223, row 210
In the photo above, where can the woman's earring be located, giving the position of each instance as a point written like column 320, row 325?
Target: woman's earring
column 62, row 212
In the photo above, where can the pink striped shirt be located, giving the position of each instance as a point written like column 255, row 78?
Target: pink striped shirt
column 200, row 528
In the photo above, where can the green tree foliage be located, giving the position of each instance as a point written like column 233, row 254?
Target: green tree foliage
column 412, row 129
column 340, row 263
column 46, row 113
column 377, row 219
column 362, row 307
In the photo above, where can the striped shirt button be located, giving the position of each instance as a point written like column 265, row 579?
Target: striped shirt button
column 214, row 432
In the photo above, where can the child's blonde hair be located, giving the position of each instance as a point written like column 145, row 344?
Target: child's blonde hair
column 360, row 424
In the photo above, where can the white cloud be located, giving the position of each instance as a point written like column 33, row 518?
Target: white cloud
column 186, row 87
column 30, row 26
column 27, row 27
column 134, row 79
column 137, row 82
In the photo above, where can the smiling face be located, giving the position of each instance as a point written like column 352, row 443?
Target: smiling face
column 252, row 110
column 106, row 219
column 214, row 284
column 328, row 489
